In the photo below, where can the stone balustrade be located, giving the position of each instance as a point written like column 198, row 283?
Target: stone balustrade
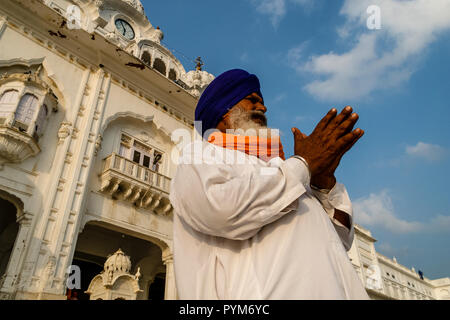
column 126, row 180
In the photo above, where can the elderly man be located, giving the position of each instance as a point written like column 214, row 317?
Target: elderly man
column 242, row 231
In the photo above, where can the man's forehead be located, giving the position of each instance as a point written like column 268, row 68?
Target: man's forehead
column 253, row 95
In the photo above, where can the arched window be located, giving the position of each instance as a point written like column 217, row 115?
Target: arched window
column 146, row 58
column 160, row 66
column 25, row 111
column 9, row 96
column 172, row 75
column 8, row 102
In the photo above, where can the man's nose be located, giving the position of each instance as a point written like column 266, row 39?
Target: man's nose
column 260, row 107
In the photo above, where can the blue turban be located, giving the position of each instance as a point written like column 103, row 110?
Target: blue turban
column 222, row 94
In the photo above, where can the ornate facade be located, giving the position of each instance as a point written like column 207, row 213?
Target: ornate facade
column 385, row 278
column 88, row 98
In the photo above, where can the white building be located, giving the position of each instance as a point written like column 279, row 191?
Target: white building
column 385, row 278
column 88, row 99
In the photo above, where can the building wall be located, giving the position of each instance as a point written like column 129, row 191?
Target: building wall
column 59, row 187
column 385, row 278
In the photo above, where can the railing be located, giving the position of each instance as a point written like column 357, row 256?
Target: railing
column 130, row 169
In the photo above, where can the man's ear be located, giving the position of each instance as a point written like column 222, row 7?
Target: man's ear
column 224, row 122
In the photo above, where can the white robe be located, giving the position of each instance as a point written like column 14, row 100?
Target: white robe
column 240, row 233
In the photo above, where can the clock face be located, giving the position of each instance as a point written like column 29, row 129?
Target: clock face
column 125, row 29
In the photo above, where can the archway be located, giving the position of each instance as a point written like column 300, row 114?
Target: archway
column 100, row 240
column 9, row 229
column 146, row 58
column 172, row 75
column 159, row 66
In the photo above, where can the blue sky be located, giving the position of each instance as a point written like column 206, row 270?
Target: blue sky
column 312, row 55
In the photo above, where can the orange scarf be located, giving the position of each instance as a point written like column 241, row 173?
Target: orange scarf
column 263, row 148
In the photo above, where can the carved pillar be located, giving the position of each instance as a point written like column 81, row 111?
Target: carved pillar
column 170, row 292
column 13, row 277
column 88, row 123
column 56, row 233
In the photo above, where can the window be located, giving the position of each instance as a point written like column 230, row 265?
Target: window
column 140, row 153
column 172, row 75
column 8, row 102
column 146, row 162
column 146, row 58
column 136, row 156
column 125, row 145
column 9, row 97
column 25, row 111
column 159, row 66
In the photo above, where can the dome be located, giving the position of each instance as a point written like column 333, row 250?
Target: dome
column 136, row 4
column 118, row 262
column 197, row 81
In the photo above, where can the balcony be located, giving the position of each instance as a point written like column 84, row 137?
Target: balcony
column 126, row 180
column 16, row 145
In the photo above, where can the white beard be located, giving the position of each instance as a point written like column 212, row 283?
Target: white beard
column 241, row 123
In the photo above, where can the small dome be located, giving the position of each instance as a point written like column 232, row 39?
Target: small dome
column 197, row 81
column 118, row 262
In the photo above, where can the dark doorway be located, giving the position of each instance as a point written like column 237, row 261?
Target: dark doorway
column 157, row 288
column 8, row 232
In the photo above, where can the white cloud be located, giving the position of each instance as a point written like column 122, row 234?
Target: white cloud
column 377, row 210
column 378, row 59
column 439, row 223
column 431, row 152
column 276, row 9
column 295, row 55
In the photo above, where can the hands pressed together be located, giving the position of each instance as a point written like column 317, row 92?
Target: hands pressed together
column 324, row 148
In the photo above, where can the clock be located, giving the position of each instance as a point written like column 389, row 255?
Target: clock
column 125, row 29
